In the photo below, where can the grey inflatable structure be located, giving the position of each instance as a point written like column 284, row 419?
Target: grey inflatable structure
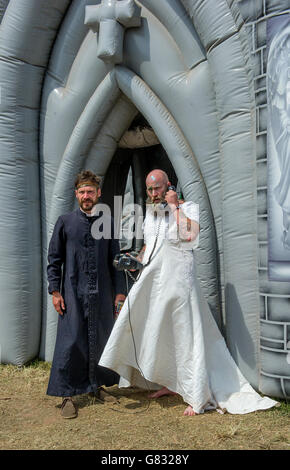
column 74, row 76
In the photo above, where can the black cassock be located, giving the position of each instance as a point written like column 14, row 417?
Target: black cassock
column 81, row 268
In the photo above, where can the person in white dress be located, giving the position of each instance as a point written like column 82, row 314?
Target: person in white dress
column 165, row 337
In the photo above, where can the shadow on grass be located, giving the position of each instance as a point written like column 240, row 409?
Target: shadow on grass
column 83, row 401
column 142, row 400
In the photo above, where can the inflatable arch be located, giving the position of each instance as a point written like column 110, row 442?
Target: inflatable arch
column 66, row 101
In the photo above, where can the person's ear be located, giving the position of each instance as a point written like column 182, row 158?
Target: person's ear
column 99, row 192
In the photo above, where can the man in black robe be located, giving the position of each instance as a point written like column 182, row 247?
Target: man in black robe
column 84, row 287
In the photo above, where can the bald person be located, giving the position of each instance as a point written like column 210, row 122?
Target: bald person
column 165, row 337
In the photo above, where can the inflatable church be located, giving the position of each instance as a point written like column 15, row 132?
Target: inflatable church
column 199, row 88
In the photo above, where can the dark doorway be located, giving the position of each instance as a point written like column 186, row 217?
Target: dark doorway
column 127, row 172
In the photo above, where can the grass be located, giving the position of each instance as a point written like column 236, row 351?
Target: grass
column 29, row 419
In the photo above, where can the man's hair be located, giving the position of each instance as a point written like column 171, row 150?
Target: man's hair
column 87, row 178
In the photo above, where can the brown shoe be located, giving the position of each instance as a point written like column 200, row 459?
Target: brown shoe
column 68, row 409
column 105, row 396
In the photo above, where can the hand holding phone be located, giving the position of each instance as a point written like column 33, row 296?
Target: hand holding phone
column 171, row 196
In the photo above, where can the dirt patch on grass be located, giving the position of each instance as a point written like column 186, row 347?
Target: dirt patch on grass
column 29, row 419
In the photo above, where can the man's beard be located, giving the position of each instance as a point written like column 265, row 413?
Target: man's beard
column 87, row 209
column 154, row 202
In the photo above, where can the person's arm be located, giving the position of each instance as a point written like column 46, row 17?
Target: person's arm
column 56, row 254
column 188, row 229
column 141, row 254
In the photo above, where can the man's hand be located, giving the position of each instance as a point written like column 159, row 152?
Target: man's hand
column 58, row 302
column 119, row 298
column 171, row 198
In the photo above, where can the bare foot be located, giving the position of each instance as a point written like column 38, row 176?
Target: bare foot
column 189, row 412
column 160, row 393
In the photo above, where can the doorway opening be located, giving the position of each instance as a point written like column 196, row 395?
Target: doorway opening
column 126, row 176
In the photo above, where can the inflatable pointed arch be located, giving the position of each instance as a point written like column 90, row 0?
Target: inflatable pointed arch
column 187, row 67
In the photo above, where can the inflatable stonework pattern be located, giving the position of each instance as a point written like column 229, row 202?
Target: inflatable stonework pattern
column 74, row 76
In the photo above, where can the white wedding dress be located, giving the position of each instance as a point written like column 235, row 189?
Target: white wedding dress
column 166, row 330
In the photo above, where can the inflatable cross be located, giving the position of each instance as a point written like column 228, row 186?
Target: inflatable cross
column 110, row 19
